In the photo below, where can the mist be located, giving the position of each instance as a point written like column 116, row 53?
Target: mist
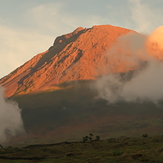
column 11, row 123
column 142, row 78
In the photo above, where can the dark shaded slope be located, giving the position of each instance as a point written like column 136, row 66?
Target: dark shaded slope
column 70, row 113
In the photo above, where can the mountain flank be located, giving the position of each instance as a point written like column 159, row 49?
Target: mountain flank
column 79, row 55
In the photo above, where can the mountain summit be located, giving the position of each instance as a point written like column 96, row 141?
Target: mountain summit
column 74, row 56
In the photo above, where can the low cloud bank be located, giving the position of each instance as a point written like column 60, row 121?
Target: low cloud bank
column 11, row 122
column 143, row 79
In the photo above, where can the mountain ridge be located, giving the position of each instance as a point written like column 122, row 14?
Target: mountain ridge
column 73, row 56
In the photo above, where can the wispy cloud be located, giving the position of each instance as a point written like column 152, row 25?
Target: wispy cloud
column 143, row 79
column 54, row 17
column 140, row 15
column 11, row 122
column 144, row 16
column 18, row 46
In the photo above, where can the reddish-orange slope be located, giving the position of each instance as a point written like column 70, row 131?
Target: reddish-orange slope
column 74, row 56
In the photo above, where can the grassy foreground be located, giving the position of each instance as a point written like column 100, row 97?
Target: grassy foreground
column 119, row 150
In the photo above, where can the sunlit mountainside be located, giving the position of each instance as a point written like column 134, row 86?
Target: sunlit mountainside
column 79, row 55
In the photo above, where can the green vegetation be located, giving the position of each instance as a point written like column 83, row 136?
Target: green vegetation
column 113, row 150
column 90, row 138
column 97, row 138
column 145, row 135
column 75, row 110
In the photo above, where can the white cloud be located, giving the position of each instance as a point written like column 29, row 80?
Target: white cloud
column 18, row 46
column 11, row 122
column 140, row 15
column 143, row 83
column 144, row 16
column 46, row 15
column 54, row 17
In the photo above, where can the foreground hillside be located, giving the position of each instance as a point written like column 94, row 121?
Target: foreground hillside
column 74, row 110
column 121, row 150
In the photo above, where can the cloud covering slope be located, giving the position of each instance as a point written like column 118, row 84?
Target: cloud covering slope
column 11, row 122
column 145, row 80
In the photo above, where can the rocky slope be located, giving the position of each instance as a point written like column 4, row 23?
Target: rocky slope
column 75, row 56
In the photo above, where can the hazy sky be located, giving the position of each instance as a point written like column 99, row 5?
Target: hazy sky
column 30, row 27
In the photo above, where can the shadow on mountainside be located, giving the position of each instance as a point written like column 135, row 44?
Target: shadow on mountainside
column 74, row 110
column 59, row 44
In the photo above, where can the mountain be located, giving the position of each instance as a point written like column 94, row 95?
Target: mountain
column 53, row 91
column 75, row 56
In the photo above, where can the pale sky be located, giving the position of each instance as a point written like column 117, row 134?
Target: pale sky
column 28, row 27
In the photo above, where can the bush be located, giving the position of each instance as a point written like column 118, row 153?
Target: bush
column 97, row 138
column 145, row 135
column 85, row 139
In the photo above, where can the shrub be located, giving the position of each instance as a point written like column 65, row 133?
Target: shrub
column 97, row 138
column 90, row 136
column 145, row 135
column 85, row 139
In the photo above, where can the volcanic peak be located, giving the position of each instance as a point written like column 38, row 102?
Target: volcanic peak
column 74, row 56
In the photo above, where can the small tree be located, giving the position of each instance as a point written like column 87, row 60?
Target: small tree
column 85, row 139
column 97, row 138
column 90, row 136
column 145, row 135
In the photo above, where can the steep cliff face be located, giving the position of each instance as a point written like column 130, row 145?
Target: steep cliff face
column 75, row 56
